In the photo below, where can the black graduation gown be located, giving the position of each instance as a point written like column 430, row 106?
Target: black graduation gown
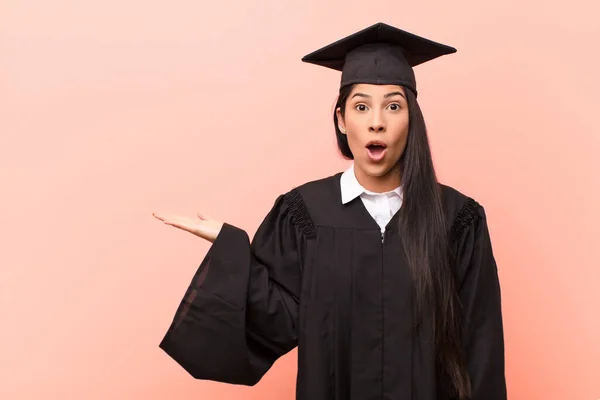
column 318, row 275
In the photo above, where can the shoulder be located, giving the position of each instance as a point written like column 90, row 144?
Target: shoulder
column 305, row 202
column 325, row 187
column 462, row 210
column 316, row 194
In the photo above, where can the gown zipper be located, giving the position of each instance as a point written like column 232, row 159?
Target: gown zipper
column 382, row 309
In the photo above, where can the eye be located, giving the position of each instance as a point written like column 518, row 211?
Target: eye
column 395, row 106
column 361, row 107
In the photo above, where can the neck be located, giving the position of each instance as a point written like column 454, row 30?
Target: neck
column 379, row 184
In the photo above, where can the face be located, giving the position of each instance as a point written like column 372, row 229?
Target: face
column 376, row 125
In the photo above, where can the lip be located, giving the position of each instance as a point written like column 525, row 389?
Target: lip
column 376, row 157
column 376, row 143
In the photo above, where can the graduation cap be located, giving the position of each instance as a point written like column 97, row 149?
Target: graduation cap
column 380, row 54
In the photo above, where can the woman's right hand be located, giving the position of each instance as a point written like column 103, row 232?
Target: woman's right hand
column 202, row 225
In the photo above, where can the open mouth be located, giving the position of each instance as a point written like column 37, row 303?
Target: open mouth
column 376, row 150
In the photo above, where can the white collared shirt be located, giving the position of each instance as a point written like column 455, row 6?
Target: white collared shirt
column 381, row 206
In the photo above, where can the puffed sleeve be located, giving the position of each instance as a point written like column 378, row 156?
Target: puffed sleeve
column 480, row 297
column 240, row 312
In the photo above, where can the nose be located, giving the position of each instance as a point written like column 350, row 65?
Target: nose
column 377, row 124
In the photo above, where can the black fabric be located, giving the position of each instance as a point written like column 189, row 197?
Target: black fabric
column 378, row 54
column 318, row 276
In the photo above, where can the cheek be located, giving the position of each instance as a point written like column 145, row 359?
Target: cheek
column 354, row 133
column 353, row 141
column 400, row 130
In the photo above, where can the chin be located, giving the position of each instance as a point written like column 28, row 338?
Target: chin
column 377, row 170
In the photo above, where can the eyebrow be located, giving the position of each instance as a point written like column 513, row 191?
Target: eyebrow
column 386, row 96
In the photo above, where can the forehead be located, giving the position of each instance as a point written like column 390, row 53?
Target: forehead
column 376, row 90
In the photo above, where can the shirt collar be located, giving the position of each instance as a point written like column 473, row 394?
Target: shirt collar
column 352, row 189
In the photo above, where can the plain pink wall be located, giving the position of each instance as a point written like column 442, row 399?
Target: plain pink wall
column 111, row 110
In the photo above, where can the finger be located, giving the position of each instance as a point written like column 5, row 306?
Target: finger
column 203, row 216
column 179, row 220
column 179, row 225
column 164, row 217
column 168, row 217
column 158, row 216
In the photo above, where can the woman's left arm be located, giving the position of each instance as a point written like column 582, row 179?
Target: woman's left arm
column 480, row 297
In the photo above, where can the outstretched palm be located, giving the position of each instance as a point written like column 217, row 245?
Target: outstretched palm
column 202, row 226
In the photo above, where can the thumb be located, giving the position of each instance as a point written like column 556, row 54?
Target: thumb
column 203, row 216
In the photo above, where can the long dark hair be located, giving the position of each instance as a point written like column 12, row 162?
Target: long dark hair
column 425, row 238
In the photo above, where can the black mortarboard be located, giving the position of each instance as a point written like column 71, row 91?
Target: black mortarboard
column 379, row 54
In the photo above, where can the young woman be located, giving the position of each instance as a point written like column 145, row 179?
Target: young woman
column 383, row 277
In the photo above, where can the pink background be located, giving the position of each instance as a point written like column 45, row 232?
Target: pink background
column 111, row 110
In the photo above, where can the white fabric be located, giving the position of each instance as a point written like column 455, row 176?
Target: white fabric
column 381, row 206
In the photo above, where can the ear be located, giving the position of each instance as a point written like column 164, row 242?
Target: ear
column 340, row 119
